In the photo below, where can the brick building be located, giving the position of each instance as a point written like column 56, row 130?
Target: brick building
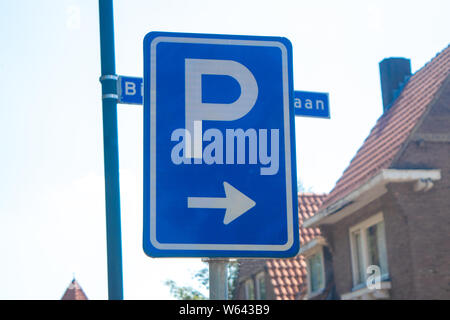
column 391, row 207
column 383, row 231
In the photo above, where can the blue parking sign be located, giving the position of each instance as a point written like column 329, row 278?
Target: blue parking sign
column 219, row 146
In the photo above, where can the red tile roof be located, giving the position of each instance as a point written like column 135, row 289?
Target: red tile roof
column 74, row 292
column 288, row 276
column 393, row 127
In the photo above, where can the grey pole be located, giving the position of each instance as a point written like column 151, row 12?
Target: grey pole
column 218, row 279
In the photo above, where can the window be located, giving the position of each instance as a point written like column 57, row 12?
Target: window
column 316, row 271
column 368, row 247
column 260, row 286
column 358, row 254
column 249, row 290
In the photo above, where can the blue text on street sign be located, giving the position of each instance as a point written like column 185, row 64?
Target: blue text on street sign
column 219, row 146
column 311, row 104
column 129, row 90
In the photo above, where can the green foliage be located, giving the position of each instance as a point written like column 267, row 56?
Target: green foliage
column 202, row 276
column 184, row 293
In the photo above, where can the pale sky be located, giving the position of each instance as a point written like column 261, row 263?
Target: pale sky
column 52, row 212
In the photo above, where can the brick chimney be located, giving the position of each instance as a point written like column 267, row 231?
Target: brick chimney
column 394, row 73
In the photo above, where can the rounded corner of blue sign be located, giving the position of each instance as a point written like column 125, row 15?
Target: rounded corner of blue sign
column 146, row 247
column 286, row 42
column 293, row 250
column 150, row 250
column 151, row 35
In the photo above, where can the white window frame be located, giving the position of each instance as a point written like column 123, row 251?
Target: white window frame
column 258, row 289
column 246, row 287
column 317, row 250
column 362, row 228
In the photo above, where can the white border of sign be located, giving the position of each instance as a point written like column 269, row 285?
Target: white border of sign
column 287, row 137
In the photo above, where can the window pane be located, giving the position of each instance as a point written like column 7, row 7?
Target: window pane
column 372, row 246
column 381, row 242
column 316, row 272
column 249, row 290
column 360, row 277
column 261, row 288
column 377, row 246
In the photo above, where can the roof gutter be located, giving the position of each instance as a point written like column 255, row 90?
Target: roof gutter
column 371, row 190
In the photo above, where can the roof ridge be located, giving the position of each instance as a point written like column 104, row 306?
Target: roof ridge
column 416, row 94
column 436, row 96
column 433, row 60
column 307, row 194
column 384, row 115
column 435, row 56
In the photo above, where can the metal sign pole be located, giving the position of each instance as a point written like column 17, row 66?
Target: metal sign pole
column 218, row 279
column 111, row 151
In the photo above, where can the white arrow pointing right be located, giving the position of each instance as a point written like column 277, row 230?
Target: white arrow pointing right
column 235, row 202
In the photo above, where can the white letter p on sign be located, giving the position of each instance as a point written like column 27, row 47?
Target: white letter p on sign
column 197, row 111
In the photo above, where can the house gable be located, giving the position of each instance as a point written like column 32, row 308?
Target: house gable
column 392, row 130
